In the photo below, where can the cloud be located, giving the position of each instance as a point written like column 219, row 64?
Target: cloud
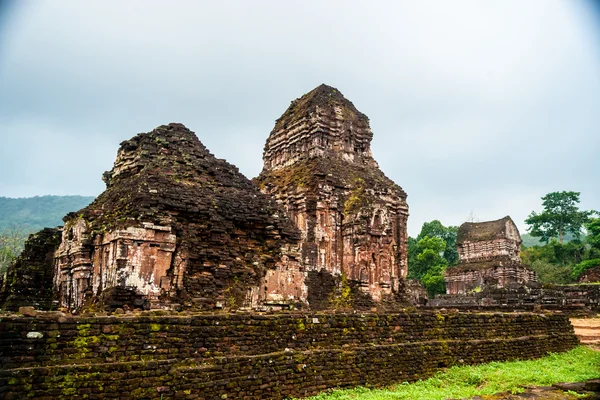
column 476, row 106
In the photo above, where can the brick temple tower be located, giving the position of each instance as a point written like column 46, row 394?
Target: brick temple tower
column 318, row 164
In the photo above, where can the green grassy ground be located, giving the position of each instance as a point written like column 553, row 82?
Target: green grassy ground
column 577, row 365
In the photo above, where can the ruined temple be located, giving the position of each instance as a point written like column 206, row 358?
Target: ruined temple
column 318, row 164
column 489, row 255
column 176, row 227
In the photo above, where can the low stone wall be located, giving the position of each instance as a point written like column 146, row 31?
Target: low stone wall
column 254, row 356
column 567, row 298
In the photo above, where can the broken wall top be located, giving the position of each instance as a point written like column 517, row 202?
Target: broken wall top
column 168, row 178
column 320, row 123
column 323, row 138
column 503, row 228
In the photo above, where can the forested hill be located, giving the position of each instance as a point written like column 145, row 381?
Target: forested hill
column 530, row 241
column 34, row 213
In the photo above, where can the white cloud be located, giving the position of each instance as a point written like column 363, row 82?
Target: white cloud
column 476, row 106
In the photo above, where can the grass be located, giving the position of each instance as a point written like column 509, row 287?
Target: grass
column 461, row 382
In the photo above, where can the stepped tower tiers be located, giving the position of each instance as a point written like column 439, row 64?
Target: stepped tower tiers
column 318, row 164
column 177, row 227
column 489, row 254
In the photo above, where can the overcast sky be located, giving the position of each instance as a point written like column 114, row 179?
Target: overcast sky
column 477, row 107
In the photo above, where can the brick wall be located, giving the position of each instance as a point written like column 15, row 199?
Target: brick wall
column 253, row 356
column 567, row 298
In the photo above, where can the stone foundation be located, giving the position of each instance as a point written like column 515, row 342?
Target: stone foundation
column 464, row 279
column 566, row 298
column 255, row 356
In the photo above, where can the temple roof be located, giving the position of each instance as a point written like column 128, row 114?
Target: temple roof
column 167, row 177
column 321, row 138
column 483, row 231
column 322, row 96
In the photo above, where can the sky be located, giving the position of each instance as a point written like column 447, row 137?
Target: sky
column 478, row 108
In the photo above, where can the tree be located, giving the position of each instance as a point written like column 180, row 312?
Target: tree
column 593, row 237
column 561, row 215
column 436, row 229
column 428, row 264
column 430, row 253
column 593, row 257
column 12, row 240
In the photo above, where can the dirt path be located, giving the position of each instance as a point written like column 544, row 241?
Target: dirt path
column 538, row 393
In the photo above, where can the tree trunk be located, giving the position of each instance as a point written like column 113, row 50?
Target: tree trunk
column 560, row 236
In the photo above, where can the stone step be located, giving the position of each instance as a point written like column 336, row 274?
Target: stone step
column 585, row 322
column 597, row 341
column 587, row 330
column 586, row 326
column 583, row 338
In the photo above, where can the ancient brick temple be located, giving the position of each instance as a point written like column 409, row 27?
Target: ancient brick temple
column 488, row 256
column 176, row 225
column 318, row 164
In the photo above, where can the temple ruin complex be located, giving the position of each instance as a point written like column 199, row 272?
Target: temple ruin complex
column 321, row 227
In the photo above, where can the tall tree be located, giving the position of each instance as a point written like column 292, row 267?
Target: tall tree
column 447, row 234
column 561, row 215
column 430, row 253
column 593, row 229
column 429, row 264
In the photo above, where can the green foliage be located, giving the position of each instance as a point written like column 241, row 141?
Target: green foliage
column 592, row 257
column 12, row 240
column 341, row 298
column 430, row 253
column 434, row 281
column 530, row 241
column 561, row 215
column 593, row 238
column 460, row 382
column 555, row 262
column 551, row 273
column 436, row 229
column 583, row 266
column 429, row 264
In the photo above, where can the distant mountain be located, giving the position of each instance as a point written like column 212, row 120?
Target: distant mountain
column 530, row 241
column 34, row 213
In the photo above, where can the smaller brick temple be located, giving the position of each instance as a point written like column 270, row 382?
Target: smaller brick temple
column 489, row 255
